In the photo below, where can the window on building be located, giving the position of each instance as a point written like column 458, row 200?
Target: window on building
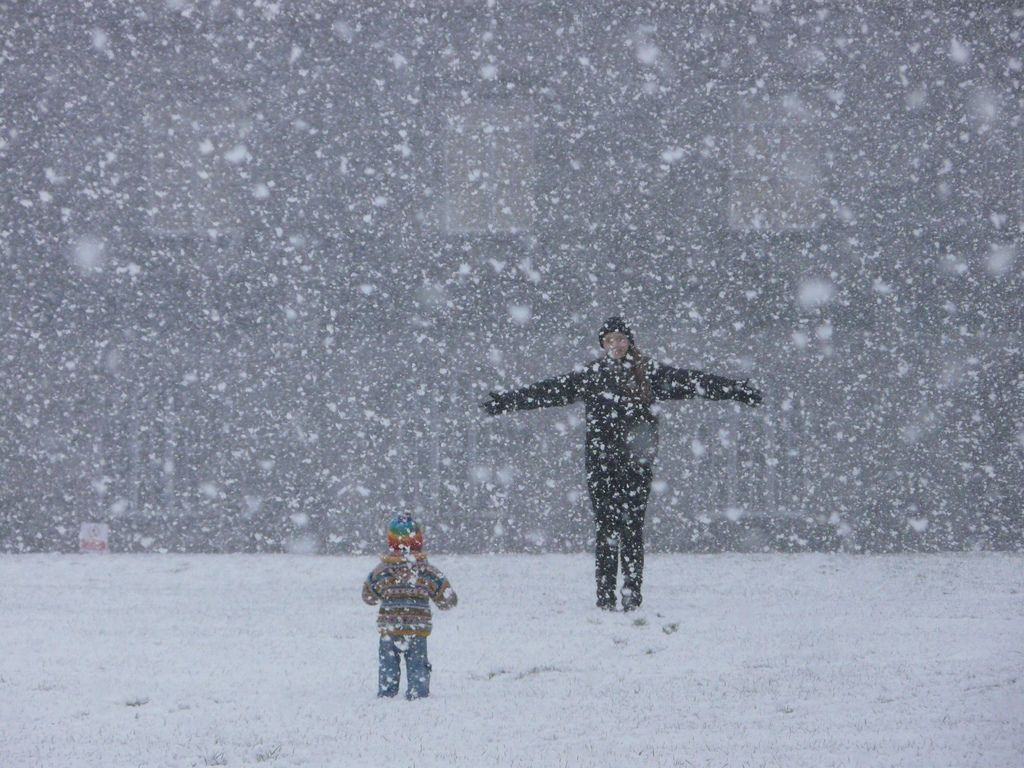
column 199, row 176
column 775, row 180
column 488, row 170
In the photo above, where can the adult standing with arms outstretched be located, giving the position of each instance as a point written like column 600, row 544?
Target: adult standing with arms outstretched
column 618, row 391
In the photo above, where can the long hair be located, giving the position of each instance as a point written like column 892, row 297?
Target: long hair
column 640, row 387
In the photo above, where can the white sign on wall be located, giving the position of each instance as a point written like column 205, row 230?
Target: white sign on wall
column 93, row 537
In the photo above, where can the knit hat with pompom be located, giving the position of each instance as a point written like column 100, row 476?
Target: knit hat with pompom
column 404, row 534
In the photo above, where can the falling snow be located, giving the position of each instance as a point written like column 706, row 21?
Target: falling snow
column 354, row 223
column 263, row 263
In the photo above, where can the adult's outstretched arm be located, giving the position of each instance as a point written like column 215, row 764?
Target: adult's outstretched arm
column 560, row 390
column 670, row 383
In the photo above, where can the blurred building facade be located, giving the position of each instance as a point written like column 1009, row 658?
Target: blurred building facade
column 261, row 261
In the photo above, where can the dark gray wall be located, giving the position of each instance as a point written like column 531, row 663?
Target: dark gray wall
column 261, row 261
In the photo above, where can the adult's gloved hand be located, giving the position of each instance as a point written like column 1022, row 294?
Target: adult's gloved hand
column 498, row 403
column 746, row 393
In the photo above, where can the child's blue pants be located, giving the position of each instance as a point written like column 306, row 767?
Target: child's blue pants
column 392, row 648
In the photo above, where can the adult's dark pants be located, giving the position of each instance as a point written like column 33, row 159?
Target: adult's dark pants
column 618, row 493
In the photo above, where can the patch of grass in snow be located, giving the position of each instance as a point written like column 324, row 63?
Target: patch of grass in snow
column 215, row 758
column 268, row 754
column 536, row 671
column 140, row 702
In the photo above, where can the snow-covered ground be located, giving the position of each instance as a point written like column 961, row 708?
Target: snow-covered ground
column 775, row 660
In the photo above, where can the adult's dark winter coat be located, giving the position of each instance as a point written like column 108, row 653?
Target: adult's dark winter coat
column 621, row 427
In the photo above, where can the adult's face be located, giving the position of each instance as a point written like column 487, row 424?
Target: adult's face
column 615, row 344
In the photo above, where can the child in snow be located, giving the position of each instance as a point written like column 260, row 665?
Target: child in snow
column 404, row 583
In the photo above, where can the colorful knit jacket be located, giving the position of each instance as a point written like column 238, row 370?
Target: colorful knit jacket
column 404, row 585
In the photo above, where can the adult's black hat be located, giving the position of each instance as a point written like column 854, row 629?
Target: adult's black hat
column 615, row 324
